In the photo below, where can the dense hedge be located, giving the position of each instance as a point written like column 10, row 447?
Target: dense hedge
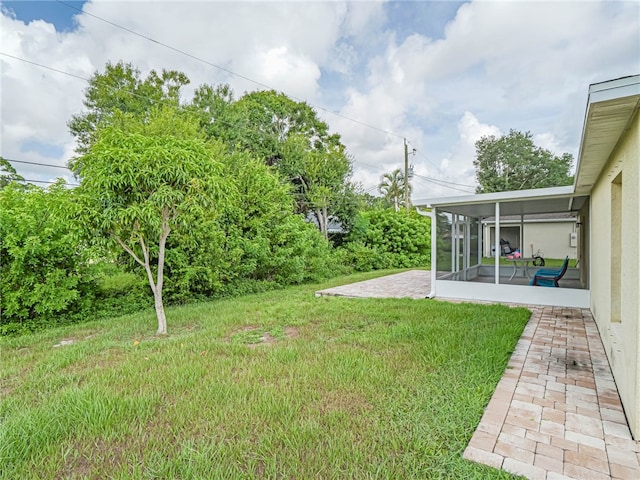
column 42, row 270
column 53, row 272
column 384, row 238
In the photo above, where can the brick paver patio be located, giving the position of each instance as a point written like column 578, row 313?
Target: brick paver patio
column 555, row 413
column 410, row 284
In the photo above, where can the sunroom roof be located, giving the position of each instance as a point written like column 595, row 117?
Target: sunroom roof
column 539, row 200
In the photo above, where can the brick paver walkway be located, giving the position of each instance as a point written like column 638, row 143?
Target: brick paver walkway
column 555, row 413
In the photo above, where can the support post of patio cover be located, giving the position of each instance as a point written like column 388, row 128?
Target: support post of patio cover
column 434, row 246
column 522, row 244
column 466, row 249
column 480, row 240
column 457, row 230
column 497, row 245
column 454, row 219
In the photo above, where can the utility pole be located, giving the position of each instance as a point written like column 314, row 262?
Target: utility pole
column 408, row 173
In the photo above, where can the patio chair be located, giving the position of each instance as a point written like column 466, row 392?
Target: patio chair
column 548, row 277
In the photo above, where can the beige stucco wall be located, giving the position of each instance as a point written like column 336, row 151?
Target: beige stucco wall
column 621, row 338
column 551, row 238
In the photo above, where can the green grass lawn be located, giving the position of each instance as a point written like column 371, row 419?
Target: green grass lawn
column 275, row 385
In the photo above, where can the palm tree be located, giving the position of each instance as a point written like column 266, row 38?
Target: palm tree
column 392, row 186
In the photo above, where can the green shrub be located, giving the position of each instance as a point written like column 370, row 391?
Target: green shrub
column 256, row 243
column 384, row 238
column 120, row 291
column 44, row 275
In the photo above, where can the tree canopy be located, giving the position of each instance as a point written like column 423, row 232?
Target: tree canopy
column 514, row 162
column 288, row 136
column 121, row 89
column 285, row 134
column 8, row 174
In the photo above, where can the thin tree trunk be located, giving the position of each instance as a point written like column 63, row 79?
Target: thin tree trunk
column 162, row 319
column 325, row 217
column 321, row 217
column 156, row 286
column 157, row 294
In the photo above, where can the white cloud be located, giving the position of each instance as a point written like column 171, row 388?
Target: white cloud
column 471, row 130
column 498, row 65
column 277, row 67
column 456, row 166
column 521, row 65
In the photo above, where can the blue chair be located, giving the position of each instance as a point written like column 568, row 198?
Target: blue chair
column 548, row 277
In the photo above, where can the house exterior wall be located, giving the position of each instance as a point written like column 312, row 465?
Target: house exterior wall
column 584, row 245
column 615, row 276
column 551, row 238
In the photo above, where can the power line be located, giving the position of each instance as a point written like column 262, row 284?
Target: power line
column 444, row 181
column 48, row 181
column 36, row 163
column 149, row 98
column 206, row 62
column 132, row 93
column 424, row 156
column 44, row 66
column 369, row 165
column 444, row 185
column 440, row 183
column 222, row 121
column 73, row 75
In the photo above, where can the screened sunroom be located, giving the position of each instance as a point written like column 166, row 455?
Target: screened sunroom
column 465, row 267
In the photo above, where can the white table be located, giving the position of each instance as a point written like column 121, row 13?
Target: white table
column 521, row 263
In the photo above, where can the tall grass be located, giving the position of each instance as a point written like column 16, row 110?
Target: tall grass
column 275, row 385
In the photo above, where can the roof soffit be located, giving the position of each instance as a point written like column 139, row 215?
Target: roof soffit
column 609, row 114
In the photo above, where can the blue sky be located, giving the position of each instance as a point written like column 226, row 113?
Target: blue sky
column 441, row 74
column 50, row 11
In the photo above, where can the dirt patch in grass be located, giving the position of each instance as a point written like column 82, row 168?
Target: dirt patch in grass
column 253, row 336
column 342, row 401
column 96, row 458
column 265, row 339
column 291, row 332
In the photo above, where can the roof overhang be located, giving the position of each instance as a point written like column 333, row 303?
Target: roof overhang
column 611, row 107
column 519, row 202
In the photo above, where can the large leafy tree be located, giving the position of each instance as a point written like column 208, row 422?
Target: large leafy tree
column 141, row 180
column 122, row 89
column 288, row 136
column 318, row 178
column 514, row 162
column 264, row 123
column 392, row 186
